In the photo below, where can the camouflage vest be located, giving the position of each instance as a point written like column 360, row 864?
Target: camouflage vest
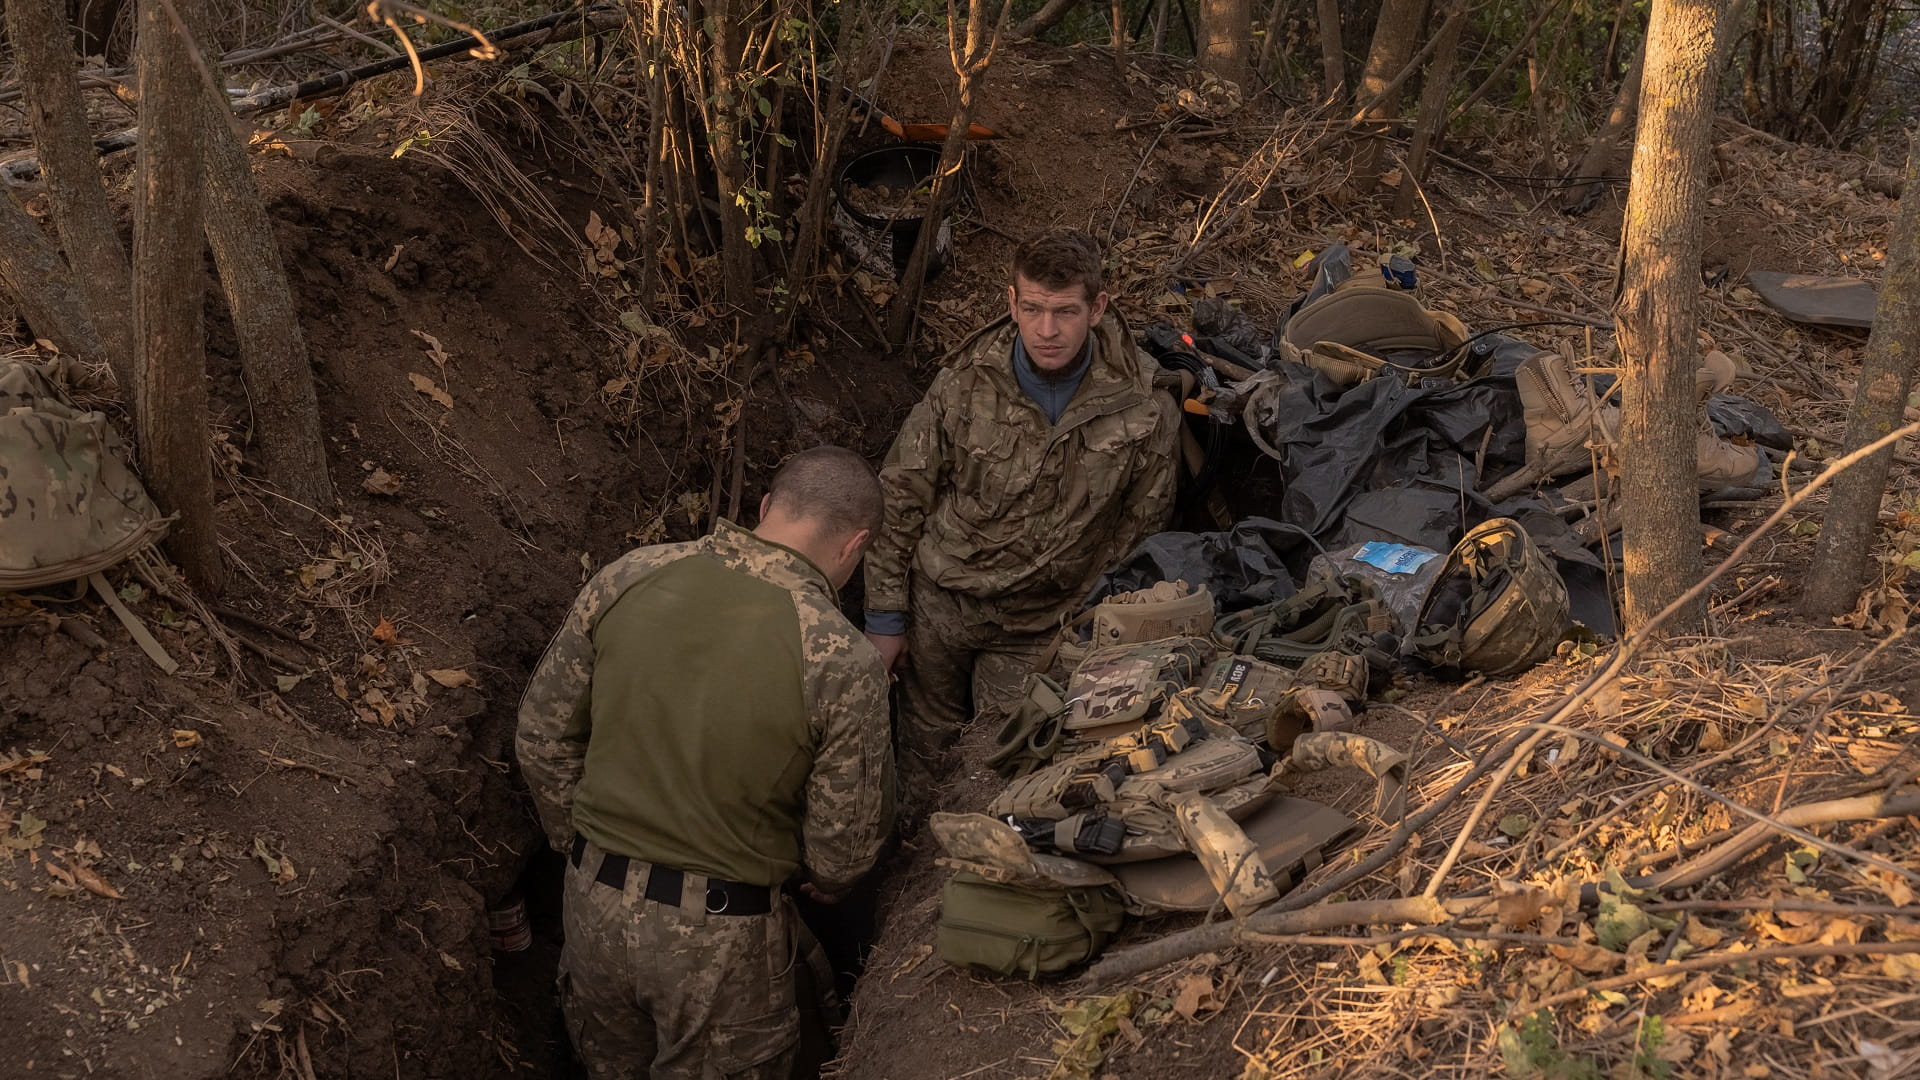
column 1124, row 684
column 69, row 505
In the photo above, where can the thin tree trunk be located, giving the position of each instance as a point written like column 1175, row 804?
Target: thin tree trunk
column 971, row 58
column 1603, row 151
column 42, row 42
column 1333, row 52
column 1276, row 22
column 169, row 284
column 1394, row 40
column 1605, row 73
column 1119, row 42
column 1045, row 19
column 273, row 350
column 726, row 114
column 1160, row 25
column 41, row 286
column 1433, row 110
column 1658, row 314
column 1226, row 38
column 1513, row 57
column 1843, row 554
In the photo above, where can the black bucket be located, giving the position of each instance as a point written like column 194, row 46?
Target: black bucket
column 882, row 233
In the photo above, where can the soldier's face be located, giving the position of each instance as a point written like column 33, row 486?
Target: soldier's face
column 1054, row 323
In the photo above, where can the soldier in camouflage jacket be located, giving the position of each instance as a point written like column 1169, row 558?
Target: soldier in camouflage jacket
column 706, row 724
column 1040, row 456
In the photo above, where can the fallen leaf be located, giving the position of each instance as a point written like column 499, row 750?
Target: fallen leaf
column 385, row 632
column 393, row 259
column 1516, row 825
column 447, row 958
column 1901, row 965
column 1520, row 905
column 1590, row 959
column 451, row 677
column 1883, row 1060
column 95, row 884
column 381, row 482
column 1195, row 994
column 185, row 739
column 266, row 857
column 287, row 875
column 59, row 873
column 430, row 388
column 288, row 682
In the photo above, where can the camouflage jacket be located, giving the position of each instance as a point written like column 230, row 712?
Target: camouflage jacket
column 706, row 706
column 986, row 499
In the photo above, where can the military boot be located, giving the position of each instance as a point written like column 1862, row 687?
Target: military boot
column 1723, row 464
column 1561, row 416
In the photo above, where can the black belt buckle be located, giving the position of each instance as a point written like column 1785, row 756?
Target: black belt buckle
column 725, row 900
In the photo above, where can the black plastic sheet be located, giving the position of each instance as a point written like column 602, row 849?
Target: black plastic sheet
column 1255, row 562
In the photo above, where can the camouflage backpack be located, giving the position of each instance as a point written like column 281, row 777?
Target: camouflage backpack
column 69, row 505
column 1498, row 605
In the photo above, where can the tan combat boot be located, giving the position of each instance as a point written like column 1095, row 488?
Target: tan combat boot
column 1722, row 463
column 1560, row 415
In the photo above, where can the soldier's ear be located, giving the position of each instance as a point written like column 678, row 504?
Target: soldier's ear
column 856, row 546
column 1099, row 308
column 766, row 501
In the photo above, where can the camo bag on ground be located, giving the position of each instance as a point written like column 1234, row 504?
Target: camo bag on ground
column 69, row 506
column 1014, row 930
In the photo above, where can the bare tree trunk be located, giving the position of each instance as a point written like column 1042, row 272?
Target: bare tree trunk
column 972, row 52
column 1841, row 557
column 1226, row 38
column 1333, row 52
column 1270, row 30
column 1394, row 40
column 1603, row 151
column 42, row 42
column 273, row 351
column 1513, row 57
column 1658, row 314
column 169, row 285
column 1045, row 19
column 1160, row 20
column 41, row 286
column 1433, row 110
column 726, row 114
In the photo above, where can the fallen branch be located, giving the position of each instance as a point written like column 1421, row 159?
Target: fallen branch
column 596, row 19
column 1721, row 959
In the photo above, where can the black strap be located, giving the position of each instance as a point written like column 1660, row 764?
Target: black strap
column 665, row 885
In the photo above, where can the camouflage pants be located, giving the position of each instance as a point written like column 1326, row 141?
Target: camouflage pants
column 673, row 993
column 957, row 666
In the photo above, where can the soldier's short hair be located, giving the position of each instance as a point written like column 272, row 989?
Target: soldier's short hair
column 831, row 485
column 1060, row 258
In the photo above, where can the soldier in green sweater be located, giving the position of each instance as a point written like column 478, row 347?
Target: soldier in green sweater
column 706, row 726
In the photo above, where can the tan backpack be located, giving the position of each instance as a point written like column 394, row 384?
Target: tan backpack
column 69, row 505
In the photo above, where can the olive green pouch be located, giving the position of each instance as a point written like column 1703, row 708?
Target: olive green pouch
column 1010, row 930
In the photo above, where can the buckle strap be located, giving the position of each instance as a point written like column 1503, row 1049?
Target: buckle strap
column 666, row 885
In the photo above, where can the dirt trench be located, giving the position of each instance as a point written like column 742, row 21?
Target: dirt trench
column 305, row 859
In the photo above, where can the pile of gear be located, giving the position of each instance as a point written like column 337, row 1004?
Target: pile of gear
column 1391, row 423
column 1147, row 755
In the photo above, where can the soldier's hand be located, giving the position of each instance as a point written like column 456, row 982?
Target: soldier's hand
column 816, row 895
column 892, row 647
